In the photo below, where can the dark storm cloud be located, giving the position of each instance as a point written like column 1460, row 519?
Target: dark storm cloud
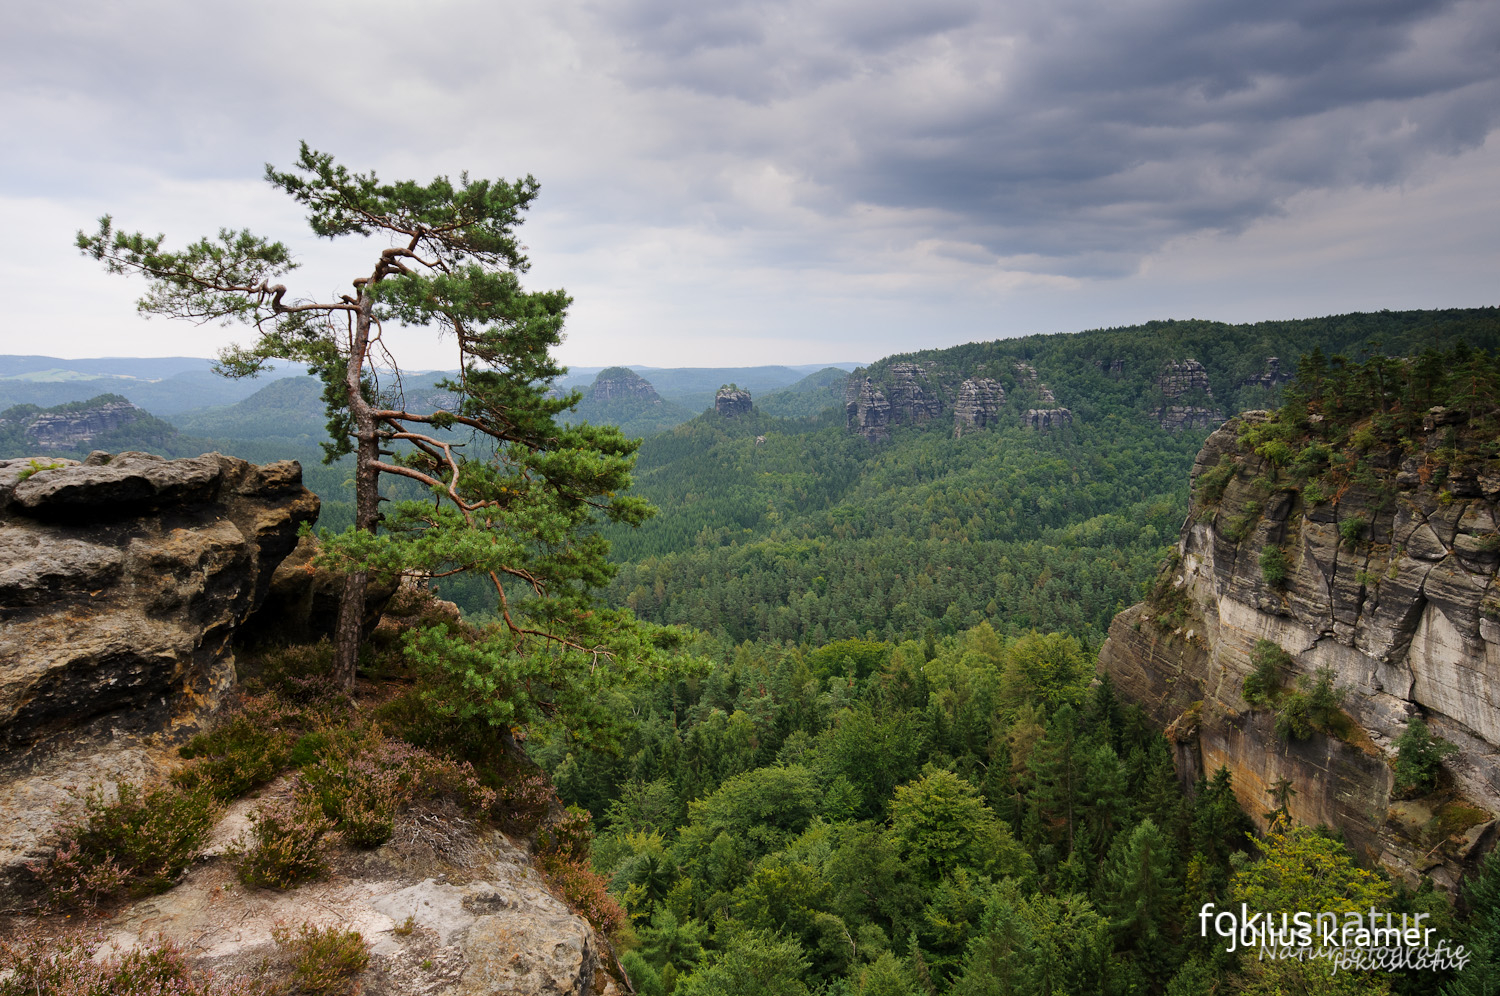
column 1083, row 133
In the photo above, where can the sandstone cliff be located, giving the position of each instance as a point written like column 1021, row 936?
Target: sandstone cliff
column 1390, row 584
column 1187, row 381
column 617, row 383
column 66, row 430
column 866, row 409
column 979, row 404
column 122, row 580
column 731, row 402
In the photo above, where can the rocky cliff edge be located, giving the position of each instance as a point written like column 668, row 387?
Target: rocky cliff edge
column 1390, row 584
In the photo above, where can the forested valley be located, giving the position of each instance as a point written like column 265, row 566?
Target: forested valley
column 890, row 767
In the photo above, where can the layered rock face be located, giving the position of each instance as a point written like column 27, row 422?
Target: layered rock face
column 866, row 410
column 121, row 582
column 70, row 430
column 1392, row 587
column 1186, row 379
column 915, row 395
column 979, row 404
column 1046, row 419
column 732, row 402
column 621, row 383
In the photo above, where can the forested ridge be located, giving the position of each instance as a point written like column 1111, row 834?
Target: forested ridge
column 814, row 534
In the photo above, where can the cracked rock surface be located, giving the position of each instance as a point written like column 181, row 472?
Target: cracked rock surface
column 122, row 579
column 1393, row 587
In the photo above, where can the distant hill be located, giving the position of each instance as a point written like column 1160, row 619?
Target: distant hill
column 165, row 385
column 106, row 422
column 812, row 394
column 620, row 396
column 289, row 409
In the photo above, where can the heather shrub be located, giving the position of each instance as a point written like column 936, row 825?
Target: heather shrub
column 569, row 837
column 287, row 846
column 523, row 801
column 585, row 891
column 302, row 673
column 246, row 750
column 73, row 968
column 137, row 843
column 325, row 960
column 361, row 784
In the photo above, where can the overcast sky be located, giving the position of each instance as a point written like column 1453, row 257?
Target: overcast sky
column 732, row 183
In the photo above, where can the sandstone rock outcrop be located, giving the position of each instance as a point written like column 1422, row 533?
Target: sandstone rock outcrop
column 76, row 429
column 1273, row 376
column 979, row 404
column 445, row 907
column 731, row 402
column 122, row 580
column 618, row 383
column 1392, row 587
column 1026, row 374
column 915, row 395
column 1187, row 379
column 1046, row 419
column 866, row 410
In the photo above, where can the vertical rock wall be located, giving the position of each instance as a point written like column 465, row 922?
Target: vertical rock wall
column 1392, row 587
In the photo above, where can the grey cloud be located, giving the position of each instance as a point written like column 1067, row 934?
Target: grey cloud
column 1090, row 130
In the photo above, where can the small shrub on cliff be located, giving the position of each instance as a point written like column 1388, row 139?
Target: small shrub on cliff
column 1292, row 721
column 1351, row 530
column 1315, row 707
column 1274, row 567
column 362, row 783
column 1212, row 482
column 34, row 468
column 137, row 843
column 325, row 960
column 1240, row 526
column 287, row 844
column 1270, row 663
column 1419, row 757
column 75, row 968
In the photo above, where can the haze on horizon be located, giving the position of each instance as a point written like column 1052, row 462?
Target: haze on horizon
column 766, row 182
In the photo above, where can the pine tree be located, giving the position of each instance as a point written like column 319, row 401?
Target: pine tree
column 514, row 494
